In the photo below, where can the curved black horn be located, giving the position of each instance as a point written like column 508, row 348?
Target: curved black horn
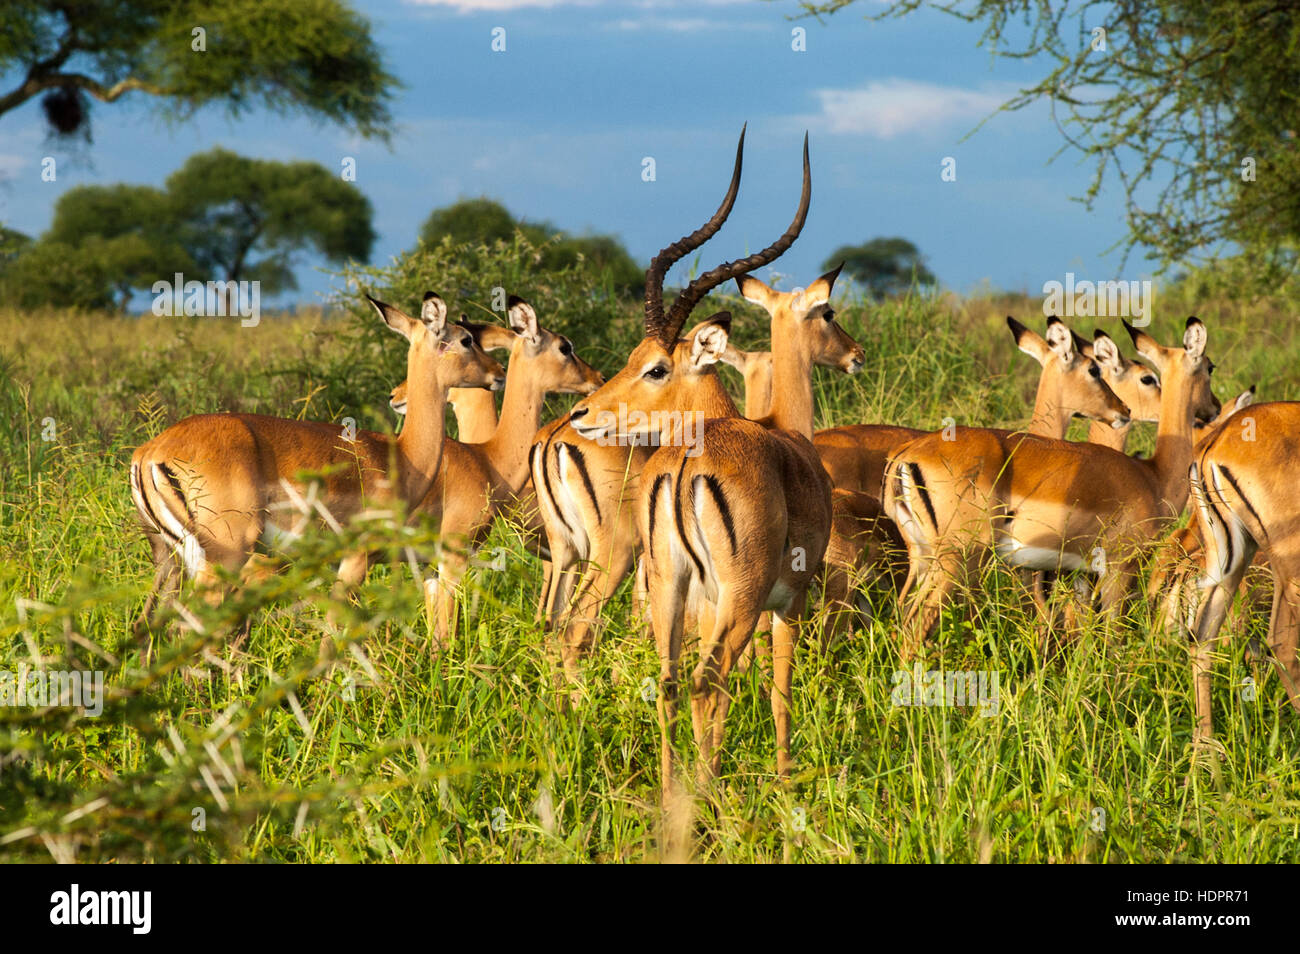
column 659, row 265
column 691, row 295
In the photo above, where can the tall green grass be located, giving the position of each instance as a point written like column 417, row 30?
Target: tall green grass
column 384, row 751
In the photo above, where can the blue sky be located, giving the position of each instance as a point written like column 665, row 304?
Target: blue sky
column 557, row 127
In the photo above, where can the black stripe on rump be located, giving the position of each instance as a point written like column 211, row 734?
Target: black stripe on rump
column 654, row 507
column 917, row 481
column 1237, row 488
column 715, row 488
column 580, row 461
column 681, row 526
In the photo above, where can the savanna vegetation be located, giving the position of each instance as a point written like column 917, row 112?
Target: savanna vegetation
column 384, row 751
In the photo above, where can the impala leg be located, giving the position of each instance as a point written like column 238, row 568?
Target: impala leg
column 1205, row 634
column 784, row 634
column 1283, row 630
column 166, row 583
column 934, row 585
column 666, row 621
column 594, row 591
column 734, row 624
column 440, row 604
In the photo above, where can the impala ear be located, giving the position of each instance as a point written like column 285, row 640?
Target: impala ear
column 1106, row 353
column 1194, row 338
column 433, row 312
column 755, row 290
column 1060, row 340
column 819, row 292
column 709, row 342
column 523, row 320
column 1244, row 399
column 1030, row 342
column 1146, row 346
column 394, row 317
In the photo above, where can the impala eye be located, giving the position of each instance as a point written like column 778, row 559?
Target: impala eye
column 657, row 373
column 1094, row 371
column 566, row 348
column 829, row 314
column 467, row 342
column 1149, row 380
column 1210, row 366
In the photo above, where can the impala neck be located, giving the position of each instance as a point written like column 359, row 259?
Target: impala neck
column 419, row 446
column 792, row 391
column 758, row 388
column 1050, row 418
column 1175, row 439
column 521, row 417
column 476, row 413
column 1106, row 436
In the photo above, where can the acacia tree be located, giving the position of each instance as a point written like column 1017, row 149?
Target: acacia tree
column 1191, row 106
column 221, row 216
column 241, row 218
column 486, row 220
column 312, row 55
column 885, row 266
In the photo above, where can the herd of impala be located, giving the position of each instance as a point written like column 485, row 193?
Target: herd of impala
column 723, row 517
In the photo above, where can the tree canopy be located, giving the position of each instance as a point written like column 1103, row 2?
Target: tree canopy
column 486, row 220
column 1189, row 105
column 317, row 56
column 221, row 216
column 884, row 266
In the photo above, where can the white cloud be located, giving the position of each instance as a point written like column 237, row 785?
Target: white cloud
column 681, row 24
column 11, row 165
column 893, row 107
column 496, row 6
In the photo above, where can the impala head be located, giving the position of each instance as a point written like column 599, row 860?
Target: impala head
column 548, row 355
column 1134, row 383
column 1244, row 399
column 668, row 373
column 1184, row 372
column 1071, row 383
column 489, row 337
column 442, row 347
column 805, row 319
column 657, row 379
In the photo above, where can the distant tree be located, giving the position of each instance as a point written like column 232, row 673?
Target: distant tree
column 11, row 243
column 317, row 56
column 885, row 266
column 469, row 220
column 55, row 273
column 486, row 220
column 221, row 216
column 129, row 232
column 229, row 209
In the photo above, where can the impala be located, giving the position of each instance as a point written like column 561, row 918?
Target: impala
column 865, row 545
column 740, row 521
column 477, row 482
column 855, row 454
column 1174, row 564
column 1046, row 504
column 210, row 489
column 1243, row 490
column 587, row 490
